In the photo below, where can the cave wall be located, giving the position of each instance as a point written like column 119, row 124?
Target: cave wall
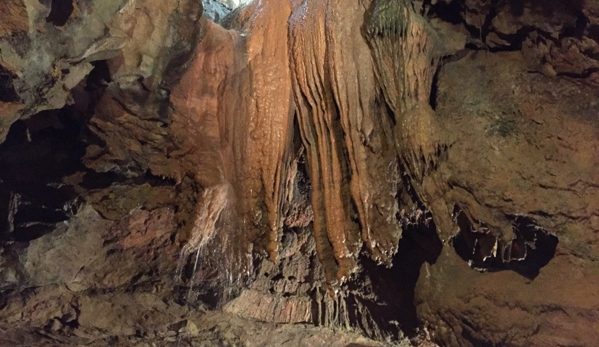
column 518, row 178
column 316, row 134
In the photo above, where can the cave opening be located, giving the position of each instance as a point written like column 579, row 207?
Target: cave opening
column 531, row 249
column 7, row 88
column 435, row 89
column 98, row 77
column 43, row 178
column 394, row 309
column 60, row 11
column 37, row 154
column 38, row 158
column 450, row 12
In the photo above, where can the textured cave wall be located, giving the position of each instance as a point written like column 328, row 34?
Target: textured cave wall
column 521, row 113
column 249, row 144
column 332, row 138
column 48, row 47
column 527, row 178
column 362, row 97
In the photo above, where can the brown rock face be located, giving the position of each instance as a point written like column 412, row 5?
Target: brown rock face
column 503, row 308
column 384, row 165
column 517, row 124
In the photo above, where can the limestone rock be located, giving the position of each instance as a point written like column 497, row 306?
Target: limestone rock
column 518, row 226
column 215, row 10
column 356, row 164
column 47, row 49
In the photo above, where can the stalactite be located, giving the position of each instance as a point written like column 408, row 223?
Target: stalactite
column 320, row 134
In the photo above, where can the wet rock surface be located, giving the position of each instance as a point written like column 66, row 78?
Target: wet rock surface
column 214, row 10
column 174, row 173
column 99, row 282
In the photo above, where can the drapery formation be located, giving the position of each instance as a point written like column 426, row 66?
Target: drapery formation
column 360, row 97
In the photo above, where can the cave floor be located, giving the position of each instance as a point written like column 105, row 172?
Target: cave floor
column 170, row 324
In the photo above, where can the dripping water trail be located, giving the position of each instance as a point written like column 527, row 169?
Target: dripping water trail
column 195, row 267
column 191, row 283
column 212, row 203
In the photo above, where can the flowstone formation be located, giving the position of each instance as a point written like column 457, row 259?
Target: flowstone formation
column 400, row 168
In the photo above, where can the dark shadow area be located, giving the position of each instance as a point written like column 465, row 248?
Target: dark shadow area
column 38, row 153
column 60, row 12
column 584, row 74
column 578, row 29
column 386, row 109
column 547, row 8
column 450, row 12
column 532, row 248
column 593, row 32
column 99, row 77
column 453, row 12
column 42, row 176
column 7, row 89
column 435, row 89
column 515, row 40
column 575, row 22
column 35, row 157
column 394, row 308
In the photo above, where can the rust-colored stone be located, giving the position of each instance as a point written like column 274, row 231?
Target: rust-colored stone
column 13, row 17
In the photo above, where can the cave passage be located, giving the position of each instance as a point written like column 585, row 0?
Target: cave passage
column 7, row 89
column 533, row 247
column 394, row 309
column 33, row 197
column 60, row 12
